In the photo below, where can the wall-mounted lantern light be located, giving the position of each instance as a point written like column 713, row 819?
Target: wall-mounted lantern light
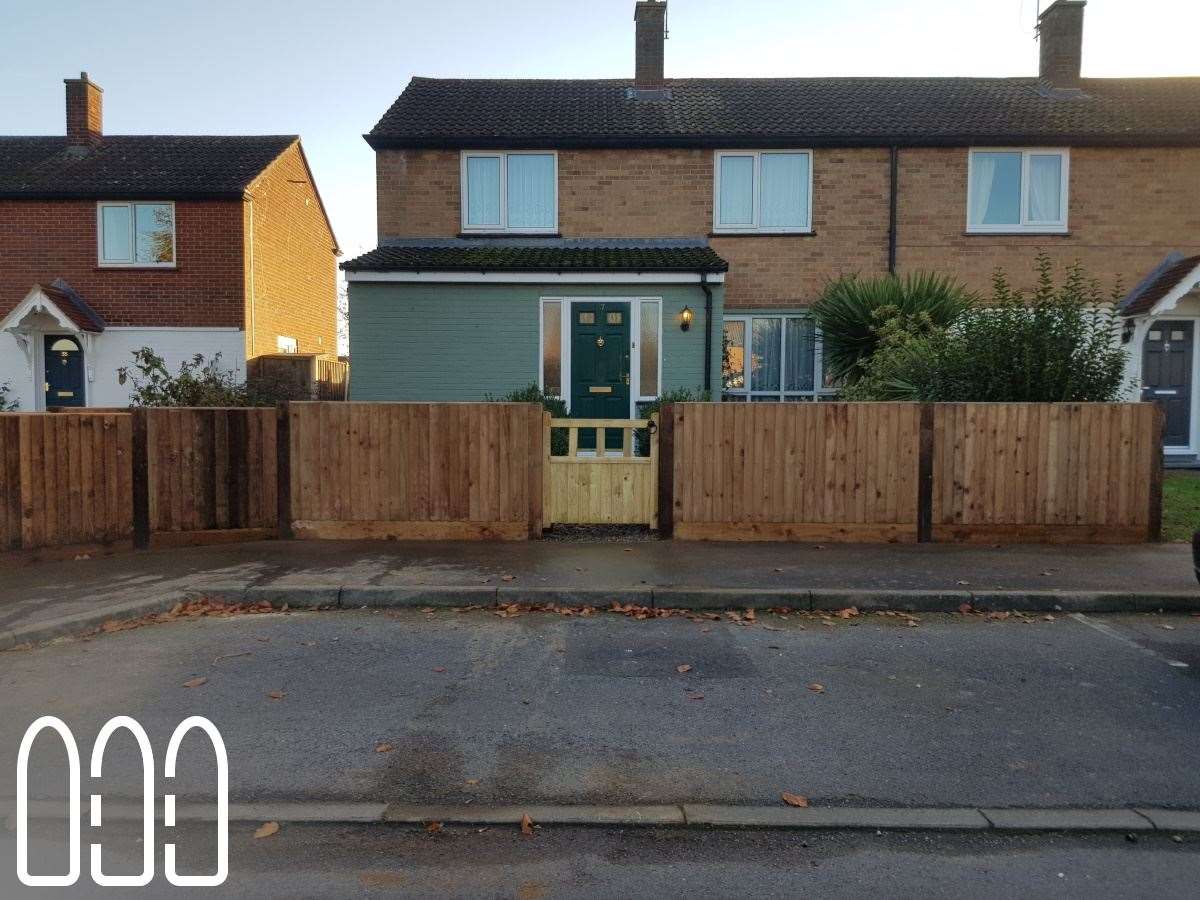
column 685, row 318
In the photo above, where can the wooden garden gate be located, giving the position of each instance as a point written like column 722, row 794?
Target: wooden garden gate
column 608, row 486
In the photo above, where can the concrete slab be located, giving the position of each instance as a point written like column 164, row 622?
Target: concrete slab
column 1067, row 820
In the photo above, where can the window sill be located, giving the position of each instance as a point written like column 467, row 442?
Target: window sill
column 1017, row 233
column 761, row 234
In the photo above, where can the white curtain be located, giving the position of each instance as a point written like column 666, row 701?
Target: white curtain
column 1045, row 188
column 784, row 196
column 737, row 190
column 483, row 190
column 530, row 191
column 983, row 176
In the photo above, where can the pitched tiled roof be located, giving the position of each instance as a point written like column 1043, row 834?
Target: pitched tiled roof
column 806, row 112
column 128, row 167
column 1164, row 279
column 540, row 255
column 73, row 306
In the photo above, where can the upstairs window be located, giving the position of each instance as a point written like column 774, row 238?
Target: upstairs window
column 763, row 192
column 136, row 234
column 1017, row 190
column 510, row 192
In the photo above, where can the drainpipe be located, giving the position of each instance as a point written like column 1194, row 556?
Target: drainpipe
column 892, row 194
column 708, row 313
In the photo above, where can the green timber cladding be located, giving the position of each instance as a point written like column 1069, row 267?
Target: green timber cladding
column 422, row 341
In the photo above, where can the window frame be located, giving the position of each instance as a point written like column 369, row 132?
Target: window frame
column 748, row 394
column 103, row 263
column 1026, row 225
column 756, row 215
column 503, row 227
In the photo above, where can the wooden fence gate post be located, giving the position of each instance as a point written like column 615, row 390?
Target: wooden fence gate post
column 283, row 470
column 666, row 470
column 925, row 476
column 141, row 480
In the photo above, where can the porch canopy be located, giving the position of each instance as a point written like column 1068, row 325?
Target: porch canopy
column 674, row 259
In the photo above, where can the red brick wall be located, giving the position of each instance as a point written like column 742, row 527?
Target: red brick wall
column 43, row 241
column 1128, row 209
column 294, row 264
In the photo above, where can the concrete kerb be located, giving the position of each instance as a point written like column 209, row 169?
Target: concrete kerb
column 834, row 818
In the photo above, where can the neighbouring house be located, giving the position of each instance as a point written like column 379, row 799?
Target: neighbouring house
column 611, row 239
column 184, row 244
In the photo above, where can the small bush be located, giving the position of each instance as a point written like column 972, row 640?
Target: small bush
column 851, row 311
column 6, row 404
column 1058, row 344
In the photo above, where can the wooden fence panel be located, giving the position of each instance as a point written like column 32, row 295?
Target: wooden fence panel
column 211, row 474
column 795, row 471
column 65, row 480
column 416, row 470
column 1058, row 472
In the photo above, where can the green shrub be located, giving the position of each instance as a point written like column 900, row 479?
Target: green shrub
column 1058, row 344
column 851, row 311
column 201, row 383
column 7, row 405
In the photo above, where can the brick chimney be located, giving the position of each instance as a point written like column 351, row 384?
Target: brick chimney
column 1060, row 33
column 85, row 127
column 650, row 17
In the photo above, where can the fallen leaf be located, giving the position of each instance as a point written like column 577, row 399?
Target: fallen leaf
column 195, row 682
column 817, row 688
column 526, row 825
column 276, row 695
column 795, row 800
column 384, row 748
column 434, row 827
column 266, row 829
column 682, row 669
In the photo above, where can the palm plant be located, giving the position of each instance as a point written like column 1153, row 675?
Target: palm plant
column 852, row 310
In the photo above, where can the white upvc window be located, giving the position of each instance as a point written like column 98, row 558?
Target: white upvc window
column 513, row 192
column 135, row 234
column 762, row 192
column 773, row 358
column 1017, row 190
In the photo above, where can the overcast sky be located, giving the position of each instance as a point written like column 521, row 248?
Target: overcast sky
column 328, row 70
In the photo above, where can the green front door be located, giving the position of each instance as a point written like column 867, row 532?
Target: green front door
column 600, row 367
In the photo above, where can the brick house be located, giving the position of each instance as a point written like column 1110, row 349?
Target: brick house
column 184, row 244
column 516, row 215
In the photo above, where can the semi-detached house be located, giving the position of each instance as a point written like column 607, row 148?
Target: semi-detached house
column 606, row 238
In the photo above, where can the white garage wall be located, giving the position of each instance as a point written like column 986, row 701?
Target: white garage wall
column 114, row 348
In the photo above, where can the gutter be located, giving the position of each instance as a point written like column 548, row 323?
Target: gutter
column 708, row 314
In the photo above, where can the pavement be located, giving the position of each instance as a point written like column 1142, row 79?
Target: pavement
column 48, row 599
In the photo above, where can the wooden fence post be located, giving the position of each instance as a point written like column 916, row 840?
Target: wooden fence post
column 141, row 479
column 1159, row 424
column 666, row 470
column 925, row 476
column 283, row 470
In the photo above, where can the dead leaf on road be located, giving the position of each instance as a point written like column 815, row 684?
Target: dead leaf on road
column 195, row 682
column 266, row 829
column 276, row 695
column 384, row 748
column 795, row 800
column 526, row 825
column 683, row 669
column 817, row 688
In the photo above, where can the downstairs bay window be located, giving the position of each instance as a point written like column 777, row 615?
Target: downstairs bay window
column 773, row 358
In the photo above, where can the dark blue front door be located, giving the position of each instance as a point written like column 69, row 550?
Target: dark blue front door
column 64, row 371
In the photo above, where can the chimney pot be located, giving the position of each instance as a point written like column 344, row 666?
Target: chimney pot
column 85, row 112
column 1060, row 36
column 650, row 18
